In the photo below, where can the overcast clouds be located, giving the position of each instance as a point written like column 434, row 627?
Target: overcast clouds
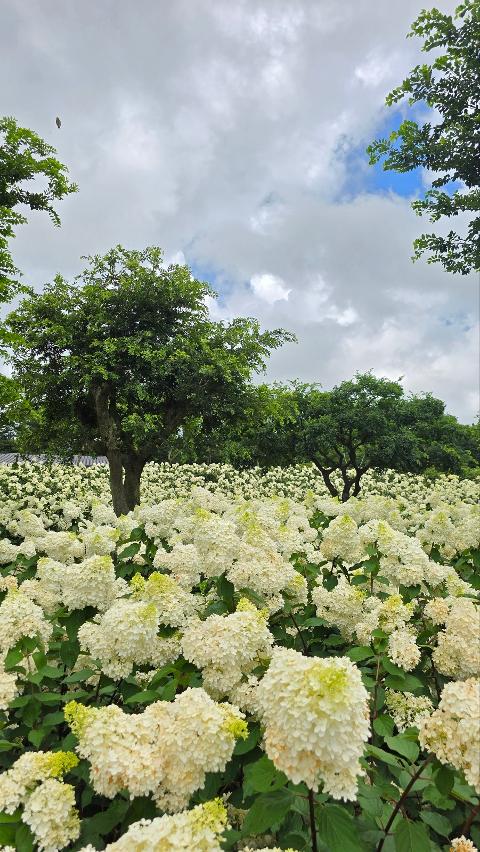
column 231, row 132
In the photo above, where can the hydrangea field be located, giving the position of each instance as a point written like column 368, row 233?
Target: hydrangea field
column 241, row 663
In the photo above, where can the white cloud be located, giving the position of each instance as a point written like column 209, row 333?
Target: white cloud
column 271, row 288
column 221, row 136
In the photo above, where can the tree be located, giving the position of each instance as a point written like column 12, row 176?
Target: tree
column 128, row 352
column 24, row 157
column 361, row 424
column 449, row 147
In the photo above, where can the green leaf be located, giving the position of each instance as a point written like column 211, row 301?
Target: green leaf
column 360, row 652
column 438, row 800
column 131, row 550
column 262, row 777
column 77, row 677
column 6, row 745
column 48, row 697
column 6, row 818
column 411, row 837
column 313, row 622
column 267, row 812
column 244, row 746
column 337, row 829
column 51, row 719
column 439, row 823
column 147, row 696
column 383, row 726
column 24, row 841
column 444, row 780
column 103, row 823
column 382, row 755
column 7, row 833
column 36, row 736
column 402, row 745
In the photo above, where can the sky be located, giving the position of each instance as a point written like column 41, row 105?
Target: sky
column 233, row 135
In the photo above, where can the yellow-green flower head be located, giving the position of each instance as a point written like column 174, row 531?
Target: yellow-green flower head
column 325, row 681
column 235, row 726
column 245, row 605
column 137, row 585
column 213, row 815
column 77, row 717
column 58, row 763
column 158, row 583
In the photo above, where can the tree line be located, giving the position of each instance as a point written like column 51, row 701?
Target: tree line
column 125, row 360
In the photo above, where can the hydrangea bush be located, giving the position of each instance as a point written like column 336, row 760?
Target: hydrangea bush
column 241, row 663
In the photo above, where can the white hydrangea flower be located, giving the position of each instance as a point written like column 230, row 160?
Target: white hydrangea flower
column 99, row 540
column 183, row 562
column 452, row 732
column 51, row 814
column 91, row 582
column 407, row 709
column 175, row 605
column 227, row 647
column 403, row 649
column 62, row 546
column 20, row 617
column 341, row 540
column 143, row 752
column 48, row 805
column 458, row 646
column 8, row 686
column 199, row 829
column 315, row 713
column 137, row 643
column 461, row 844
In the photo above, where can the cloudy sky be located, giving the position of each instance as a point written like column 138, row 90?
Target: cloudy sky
column 233, row 135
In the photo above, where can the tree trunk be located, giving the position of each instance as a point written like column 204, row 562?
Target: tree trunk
column 125, row 474
column 120, row 506
column 346, row 489
column 326, row 477
column 131, row 485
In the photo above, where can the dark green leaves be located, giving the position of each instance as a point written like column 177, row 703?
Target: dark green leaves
column 411, row 837
column 404, row 746
column 337, row 829
column 262, row 777
column 267, row 812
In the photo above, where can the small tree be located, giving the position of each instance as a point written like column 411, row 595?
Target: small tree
column 129, row 354
column 24, row 157
column 361, row 424
column 450, row 146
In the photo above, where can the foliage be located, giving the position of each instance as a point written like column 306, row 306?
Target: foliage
column 128, row 350
column 448, row 147
column 361, row 424
column 415, row 571
column 25, row 157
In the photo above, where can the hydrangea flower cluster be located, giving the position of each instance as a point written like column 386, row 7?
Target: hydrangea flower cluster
column 452, row 731
column 199, row 829
column 137, row 643
column 165, row 751
column 48, row 805
column 20, row 617
column 407, row 710
column 458, row 646
column 315, row 714
column 228, row 647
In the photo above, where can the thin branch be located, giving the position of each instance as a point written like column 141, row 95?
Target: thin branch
column 401, row 800
column 465, row 829
column 302, row 638
column 313, row 829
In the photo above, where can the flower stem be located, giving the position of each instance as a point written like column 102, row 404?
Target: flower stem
column 302, row 638
column 401, row 800
column 313, row 829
